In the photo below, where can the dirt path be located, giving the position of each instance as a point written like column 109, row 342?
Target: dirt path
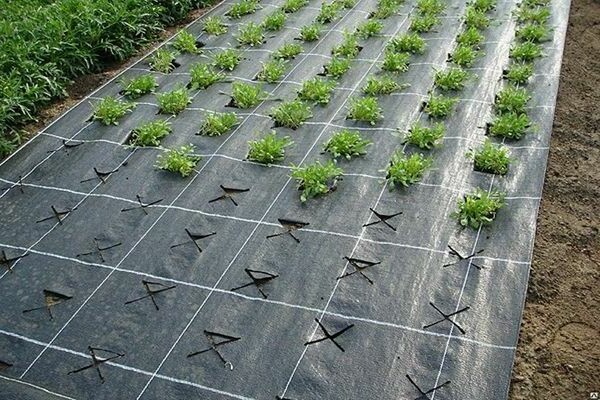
column 559, row 349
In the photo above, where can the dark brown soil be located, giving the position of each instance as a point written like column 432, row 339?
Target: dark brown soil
column 558, row 356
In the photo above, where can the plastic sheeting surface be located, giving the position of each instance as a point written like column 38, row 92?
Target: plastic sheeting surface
column 389, row 305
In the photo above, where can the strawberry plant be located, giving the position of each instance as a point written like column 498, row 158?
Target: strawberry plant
column 337, row 67
column 227, row 59
column 186, row 43
column 243, row 7
column 291, row 114
column 526, row 52
column 464, row 55
column 470, row 37
column 451, row 79
column 478, row 208
column 214, row 26
column 288, row 51
column 272, row 71
column 431, row 7
column 369, row 29
column 439, row 106
column 274, row 21
column 291, row 6
column 349, row 48
column 139, row 86
column 395, row 62
column 512, row 100
column 490, row 158
column 365, row 109
column 246, row 95
column 406, row 170
column 110, row 109
column 203, row 76
column 407, row 43
column 518, row 73
column 250, row 34
column 217, row 124
column 150, row 134
column 163, row 61
column 316, row 179
column 310, row 33
column 347, row 144
column 316, row 90
column 509, row 125
column 328, row 12
column 173, row 102
column 180, row 160
column 269, row 149
column 475, row 18
column 423, row 23
column 380, row 86
column 425, row 137
column 533, row 32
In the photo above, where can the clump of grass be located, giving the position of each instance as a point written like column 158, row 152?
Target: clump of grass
column 512, row 100
column 385, row 9
column 274, row 21
column 288, row 51
column 291, row 114
column 173, row 102
column 380, row 86
column 464, row 55
column 243, row 7
column 186, row 43
column 337, row 67
column 203, row 76
column 365, row 109
column 369, row 28
column 179, row 160
column 214, row 26
column 316, row 179
column 526, row 52
column 110, row 109
column 490, row 158
column 475, row 18
column 163, row 61
column 407, row 43
column 431, row 7
column 509, row 125
column 406, row 170
column 250, row 34
column 139, row 86
column 478, row 208
column 150, row 134
column 451, row 79
column 470, row 37
column 483, row 5
column 423, row 23
column 291, row 6
column 316, row 90
column 533, row 32
column 310, row 33
column 439, row 106
column 227, row 59
column 518, row 73
column 538, row 15
column 395, row 62
column 272, row 71
column 269, row 149
column 349, row 47
column 247, row 95
column 425, row 137
column 329, row 12
column 347, row 3
column 347, row 144
column 217, row 124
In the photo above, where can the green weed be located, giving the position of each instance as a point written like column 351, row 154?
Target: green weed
column 347, row 3
column 173, row 102
column 163, row 61
column 510, row 126
column 407, row 43
column 347, row 144
column 349, row 47
column 532, row 32
column 186, row 43
column 150, row 134
column 275, row 21
column 227, row 59
column 483, row 5
column 337, row 67
column 244, row 7
column 316, row 179
column 288, row 51
column 369, row 29
column 537, row 15
column 291, row 6
column 478, row 208
column 329, row 12
column 439, row 106
column 139, row 86
column 217, row 124
column 404, row 170
column 451, row 79
column 526, row 52
column 310, row 33
column 202, row 76
column 181, row 160
column 291, row 114
column 215, row 26
column 250, row 34
column 269, row 149
column 475, row 18
column 395, row 62
column 110, row 109
column 272, row 71
column 365, row 109
column 247, row 95
column 431, row 7
column 316, row 90
column 470, row 37
column 512, row 100
column 490, row 158
column 425, row 137
column 381, row 86
column 464, row 55
column 423, row 23
column 518, row 73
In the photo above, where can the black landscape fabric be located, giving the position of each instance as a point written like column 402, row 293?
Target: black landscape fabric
column 123, row 281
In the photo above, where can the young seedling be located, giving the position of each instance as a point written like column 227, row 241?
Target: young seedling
column 291, row 114
column 291, row 6
column 272, row 71
column 381, row 86
column 203, row 75
column 483, row 5
column 347, row 144
column 139, row 86
column 510, row 126
column 247, row 95
column 425, row 137
column 316, row 179
column 470, row 37
column 464, row 55
column 478, row 208
column 173, row 102
column 423, row 23
column 406, row 170
column 215, row 26
column 475, row 18
column 274, row 21
column 316, row 90
column 110, row 109
column 490, row 158
column 537, row 15
column 163, row 61
column 181, row 160
column 288, row 51
column 329, row 12
column 347, row 3
column 349, row 48
column 365, row 109
column 407, row 43
column 431, row 7
column 395, row 62
column 186, row 43
column 369, row 28
column 250, row 34
column 518, row 74
column 310, row 33
column 269, row 149
column 533, row 32
column 384, row 11
column 439, row 106
column 451, row 79
column 337, row 67
column 526, row 52
column 150, row 134
column 217, row 124
column 227, row 59
column 244, row 7
column 512, row 100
